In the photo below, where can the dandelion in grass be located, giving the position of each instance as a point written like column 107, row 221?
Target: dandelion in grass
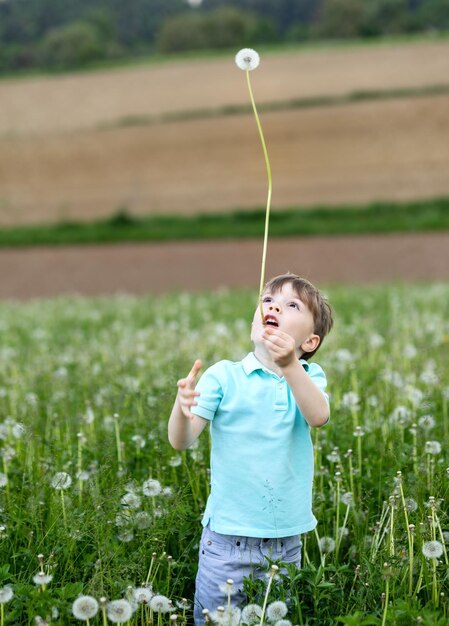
column 350, row 400
column 143, row 595
column 432, row 549
column 3, row 480
column 119, row 611
column 283, row 622
column 42, row 579
column 251, row 614
column 276, row 611
column 139, row 441
column 131, row 500
column 347, row 498
column 228, row 587
column 175, row 461
column 426, row 422
column 84, row 608
column 160, row 604
column 6, row 594
column 142, row 520
column 151, row 487
column 123, row 518
column 433, row 447
column 60, row 482
column 126, row 536
column 327, row 545
column 410, row 505
column 247, row 59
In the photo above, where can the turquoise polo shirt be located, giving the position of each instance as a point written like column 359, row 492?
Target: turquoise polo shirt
column 261, row 455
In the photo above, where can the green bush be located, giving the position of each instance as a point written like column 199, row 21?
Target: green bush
column 73, row 45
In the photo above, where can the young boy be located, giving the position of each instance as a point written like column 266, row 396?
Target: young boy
column 260, row 410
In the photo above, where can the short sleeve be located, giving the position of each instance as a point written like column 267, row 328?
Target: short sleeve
column 211, row 392
column 318, row 376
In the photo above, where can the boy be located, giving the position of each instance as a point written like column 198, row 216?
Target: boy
column 260, row 410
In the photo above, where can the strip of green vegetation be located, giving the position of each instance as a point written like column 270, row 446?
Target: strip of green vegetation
column 280, row 105
column 428, row 215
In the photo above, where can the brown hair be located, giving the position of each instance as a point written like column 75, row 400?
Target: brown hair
column 315, row 301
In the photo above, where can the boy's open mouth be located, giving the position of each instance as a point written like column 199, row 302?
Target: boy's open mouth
column 270, row 320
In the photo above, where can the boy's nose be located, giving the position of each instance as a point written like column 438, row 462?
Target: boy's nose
column 275, row 307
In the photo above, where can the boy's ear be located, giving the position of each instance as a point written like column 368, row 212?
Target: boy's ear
column 311, row 344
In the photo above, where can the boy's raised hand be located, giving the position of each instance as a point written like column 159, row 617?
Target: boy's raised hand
column 186, row 390
column 280, row 346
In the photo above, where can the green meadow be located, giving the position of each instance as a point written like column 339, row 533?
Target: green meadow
column 94, row 502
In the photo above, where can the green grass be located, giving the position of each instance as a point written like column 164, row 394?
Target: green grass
column 87, row 385
column 381, row 218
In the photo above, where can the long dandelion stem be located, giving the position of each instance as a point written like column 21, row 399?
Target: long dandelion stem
column 270, row 187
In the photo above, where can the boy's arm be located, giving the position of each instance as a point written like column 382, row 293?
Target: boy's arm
column 309, row 398
column 183, row 426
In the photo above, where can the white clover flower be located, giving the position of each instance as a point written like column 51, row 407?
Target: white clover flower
column 119, row 611
column 142, row 520
column 160, row 604
column 3, row 479
column 42, row 579
column 247, row 59
column 251, row 614
column 131, row 500
column 84, row 608
column 327, row 544
column 143, row 595
column 6, row 594
column 151, row 487
column 61, row 480
column 276, row 611
column 433, row 447
column 432, row 549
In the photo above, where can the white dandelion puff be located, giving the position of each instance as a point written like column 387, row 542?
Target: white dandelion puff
column 433, row 447
column 350, row 400
column 85, row 607
column 410, row 505
column 276, row 611
column 347, row 498
column 247, row 59
column 432, row 549
column 160, row 604
column 251, row 614
column 327, row 544
column 3, row 479
column 138, row 441
column 6, row 594
column 426, row 422
column 228, row 587
column 126, row 536
column 175, row 461
column 151, row 487
column 42, row 579
column 61, row 480
column 283, row 622
column 143, row 595
column 119, row 611
column 131, row 500
column 142, row 520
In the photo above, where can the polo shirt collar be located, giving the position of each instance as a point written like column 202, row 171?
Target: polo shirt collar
column 251, row 363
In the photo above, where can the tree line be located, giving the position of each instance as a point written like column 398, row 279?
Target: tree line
column 53, row 34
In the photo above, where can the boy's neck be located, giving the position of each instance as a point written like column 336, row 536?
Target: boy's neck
column 263, row 357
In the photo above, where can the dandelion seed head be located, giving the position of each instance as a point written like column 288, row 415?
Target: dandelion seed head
column 347, row 498
column 143, row 595
column 228, row 587
column 3, row 479
column 247, row 59
column 426, row 422
column 410, row 505
column 283, row 622
column 350, row 400
column 276, row 611
column 61, row 480
column 160, row 604
column 251, row 614
column 142, row 520
column 151, row 487
column 119, row 611
column 126, row 536
column 42, row 579
column 6, row 594
column 131, row 500
column 432, row 549
column 327, row 544
column 433, row 447
column 175, row 461
column 85, row 607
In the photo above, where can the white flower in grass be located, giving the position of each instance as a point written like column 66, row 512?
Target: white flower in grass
column 223, row 616
column 151, row 487
column 123, row 518
column 347, row 498
column 160, row 604
column 194, row 3
column 42, row 579
column 432, row 549
column 3, row 479
column 251, row 614
column 119, row 611
column 175, row 461
column 6, row 593
column 126, row 536
column 276, row 611
column 400, row 414
column 131, row 500
column 410, row 505
column 433, row 447
column 327, row 544
column 228, row 587
column 350, row 400
column 61, row 480
column 143, row 595
column 426, row 422
column 283, row 622
column 446, row 536
column 84, row 608
column 138, row 441
column 142, row 520
column 247, row 59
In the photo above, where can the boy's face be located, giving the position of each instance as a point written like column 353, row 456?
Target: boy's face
column 285, row 310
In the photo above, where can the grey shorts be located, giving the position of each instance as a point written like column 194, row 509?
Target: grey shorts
column 230, row 556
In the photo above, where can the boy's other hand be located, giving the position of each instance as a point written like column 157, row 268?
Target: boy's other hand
column 280, row 346
column 186, row 390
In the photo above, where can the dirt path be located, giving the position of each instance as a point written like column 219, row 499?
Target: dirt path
column 158, row 268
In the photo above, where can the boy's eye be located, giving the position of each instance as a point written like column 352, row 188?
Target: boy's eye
column 294, row 305
column 267, row 299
